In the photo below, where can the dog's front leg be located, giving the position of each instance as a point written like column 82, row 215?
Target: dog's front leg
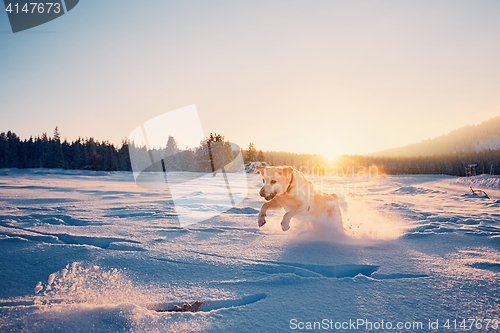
column 262, row 215
column 265, row 207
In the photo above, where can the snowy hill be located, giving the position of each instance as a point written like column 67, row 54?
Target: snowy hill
column 473, row 138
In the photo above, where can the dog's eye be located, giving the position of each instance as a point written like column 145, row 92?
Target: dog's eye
column 273, row 182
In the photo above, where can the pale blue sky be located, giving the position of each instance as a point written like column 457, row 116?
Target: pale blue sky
column 326, row 77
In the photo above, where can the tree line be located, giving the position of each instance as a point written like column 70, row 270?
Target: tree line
column 488, row 162
column 44, row 151
column 50, row 152
column 90, row 154
column 215, row 152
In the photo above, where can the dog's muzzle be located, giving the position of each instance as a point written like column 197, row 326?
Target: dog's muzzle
column 267, row 197
column 270, row 197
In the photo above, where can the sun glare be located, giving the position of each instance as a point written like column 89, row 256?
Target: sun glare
column 331, row 156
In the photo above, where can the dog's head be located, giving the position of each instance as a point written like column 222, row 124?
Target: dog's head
column 276, row 180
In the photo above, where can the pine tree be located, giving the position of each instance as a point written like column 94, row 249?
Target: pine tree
column 56, row 159
column 13, row 152
column 4, row 150
column 45, row 155
column 171, row 148
column 57, row 136
column 213, row 153
column 251, row 154
column 124, row 157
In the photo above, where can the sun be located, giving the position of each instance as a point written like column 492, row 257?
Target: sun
column 331, row 155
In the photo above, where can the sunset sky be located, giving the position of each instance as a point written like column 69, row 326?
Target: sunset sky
column 327, row 77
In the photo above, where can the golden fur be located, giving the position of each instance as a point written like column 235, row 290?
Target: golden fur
column 287, row 188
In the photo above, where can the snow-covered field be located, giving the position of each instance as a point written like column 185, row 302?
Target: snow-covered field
column 93, row 252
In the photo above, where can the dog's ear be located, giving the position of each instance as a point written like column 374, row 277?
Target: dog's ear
column 287, row 171
column 260, row 169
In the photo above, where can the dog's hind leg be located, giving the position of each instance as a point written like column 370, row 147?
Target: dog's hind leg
column 265, row 207
column 285, row 223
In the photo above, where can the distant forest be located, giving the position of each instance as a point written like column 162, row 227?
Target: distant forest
column 51, row 152
column 488, row 162
column 91, row 154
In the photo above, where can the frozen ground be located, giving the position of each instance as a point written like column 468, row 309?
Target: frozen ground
column 84, row 251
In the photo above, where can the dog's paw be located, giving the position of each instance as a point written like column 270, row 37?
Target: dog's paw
column 262, row 220
column 285, row 226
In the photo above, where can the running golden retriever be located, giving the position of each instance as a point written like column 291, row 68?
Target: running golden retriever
column 287, row 188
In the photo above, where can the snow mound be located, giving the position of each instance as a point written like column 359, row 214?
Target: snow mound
column 242, row 210
column 482, row 181
column 412, row 190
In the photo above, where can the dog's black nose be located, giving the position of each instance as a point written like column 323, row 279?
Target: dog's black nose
column 270, row 197
column 262, row 193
